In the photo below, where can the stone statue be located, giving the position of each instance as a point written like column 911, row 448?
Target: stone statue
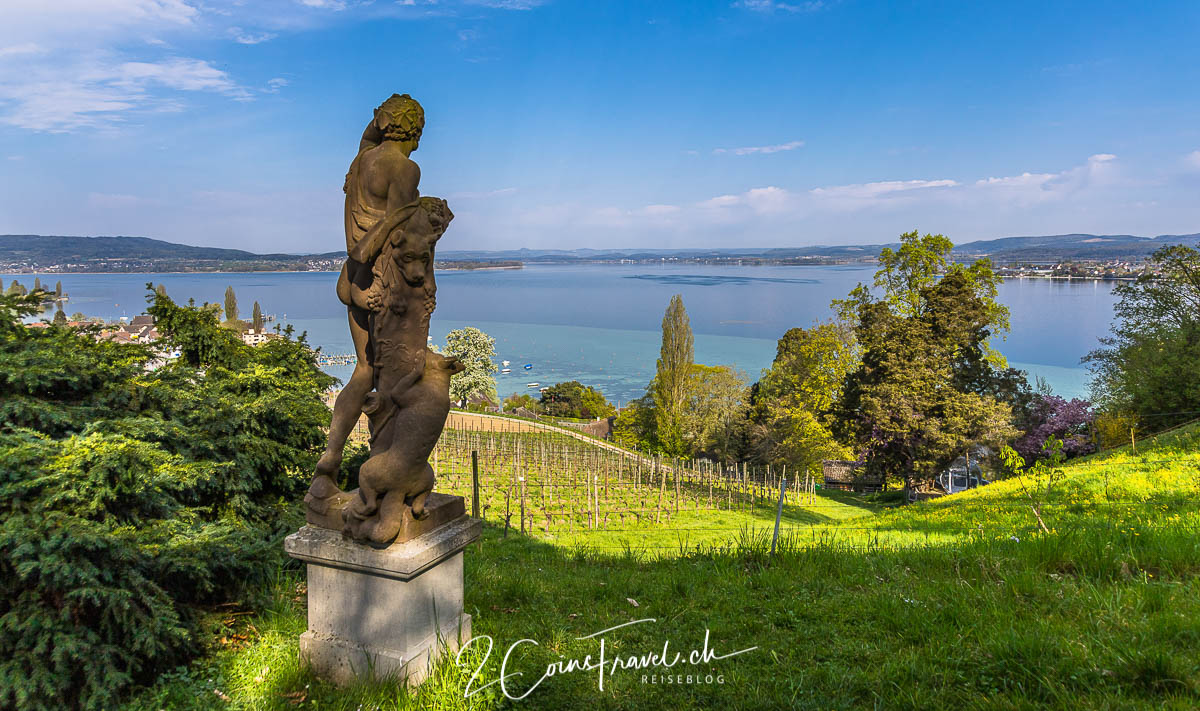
column 387, row 284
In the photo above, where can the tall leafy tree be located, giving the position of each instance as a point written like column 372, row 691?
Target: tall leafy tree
column 793, row 403
column 1148, row 368
column 669, row 388
column 58, row 290
column 714, row 416
column 257, row 318
column 476, row 350
column 923, row 391
column 231, row 304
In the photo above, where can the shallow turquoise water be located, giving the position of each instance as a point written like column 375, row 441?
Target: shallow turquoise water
column 600, row 324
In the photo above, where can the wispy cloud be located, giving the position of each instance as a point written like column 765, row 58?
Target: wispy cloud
column 768, row 6
column 99, row 90
column 336, row 5
column 751, row 150
column 1192, row 160
column 881, row 189
column 469, row 195
column 1089, row 193
column 112, row 200
column 508, row 4
column 242, row 37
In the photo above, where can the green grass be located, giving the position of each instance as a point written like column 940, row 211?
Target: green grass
column 957, row 603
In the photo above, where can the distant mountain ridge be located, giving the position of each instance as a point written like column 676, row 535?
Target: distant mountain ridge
column 26, row 251
column 64, row 248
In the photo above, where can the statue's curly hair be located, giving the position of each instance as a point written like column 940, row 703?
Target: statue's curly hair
column 405, row 119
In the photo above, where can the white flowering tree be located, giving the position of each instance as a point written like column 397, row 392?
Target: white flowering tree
column 476, row 350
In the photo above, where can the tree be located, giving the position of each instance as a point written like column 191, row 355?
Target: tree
column 1051, row 416
column 517, row 401
column 635, row 426
column 670, row 385
column 1148, row 366
column 573, row 399
column 16, row 289
column 161, row 289
column 475, row 349
column 60, row 318
column 923, row 390
column 231, row 305
column 127, row 501
column 257, row 318
column 714, row 413
column 58, row 293
column 37, row 283
column 793, row 403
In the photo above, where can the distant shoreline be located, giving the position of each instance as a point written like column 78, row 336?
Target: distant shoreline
column 256, row 271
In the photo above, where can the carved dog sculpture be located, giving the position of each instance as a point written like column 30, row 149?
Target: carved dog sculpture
column 411, row 400
column 397, row 474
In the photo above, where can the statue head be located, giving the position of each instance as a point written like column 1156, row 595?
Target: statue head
column 413, row 242
column 400, row 118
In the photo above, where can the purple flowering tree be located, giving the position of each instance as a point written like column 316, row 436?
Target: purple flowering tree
column 1054, row 416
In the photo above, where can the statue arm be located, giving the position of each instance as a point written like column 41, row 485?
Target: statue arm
column 403, row 384
column 403, row 200
column 371, row 244
column 371, row 137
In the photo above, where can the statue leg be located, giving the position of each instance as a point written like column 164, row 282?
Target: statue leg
column 426, row 486
column 346, row 409
column 387, row 524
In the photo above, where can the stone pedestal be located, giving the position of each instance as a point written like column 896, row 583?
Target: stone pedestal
column 383, row 613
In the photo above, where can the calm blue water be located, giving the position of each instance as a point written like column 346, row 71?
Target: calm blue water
column 601, row 324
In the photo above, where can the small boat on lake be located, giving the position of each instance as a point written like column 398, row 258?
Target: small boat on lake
column 506, row 370
column 504, row 363
column 529, row 366
column 532, row 385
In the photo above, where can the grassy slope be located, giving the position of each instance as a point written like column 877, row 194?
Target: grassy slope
column 929, row 606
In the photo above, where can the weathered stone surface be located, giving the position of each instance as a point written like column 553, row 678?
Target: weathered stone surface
column 387, row 284
column 383, row 613
column 401, row 561
column 442, row 509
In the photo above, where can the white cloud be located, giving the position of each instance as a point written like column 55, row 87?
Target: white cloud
column 20, row 49
column 26, row 19
column 882, row 189
column 99, row 90
column 112, row 200
column 335, row 5
column 660, row 210
column 242, row 37
column 1095, row 196
column 1192, row 160
column 768, row 6
column 508, row 4
column 468, row 195
column 750, row 150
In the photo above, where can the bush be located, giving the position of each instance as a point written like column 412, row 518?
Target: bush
column 129, row 494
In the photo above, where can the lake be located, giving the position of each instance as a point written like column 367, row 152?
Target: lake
column 600, row 324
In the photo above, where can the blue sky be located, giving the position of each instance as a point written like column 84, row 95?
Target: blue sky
column 557, row 123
